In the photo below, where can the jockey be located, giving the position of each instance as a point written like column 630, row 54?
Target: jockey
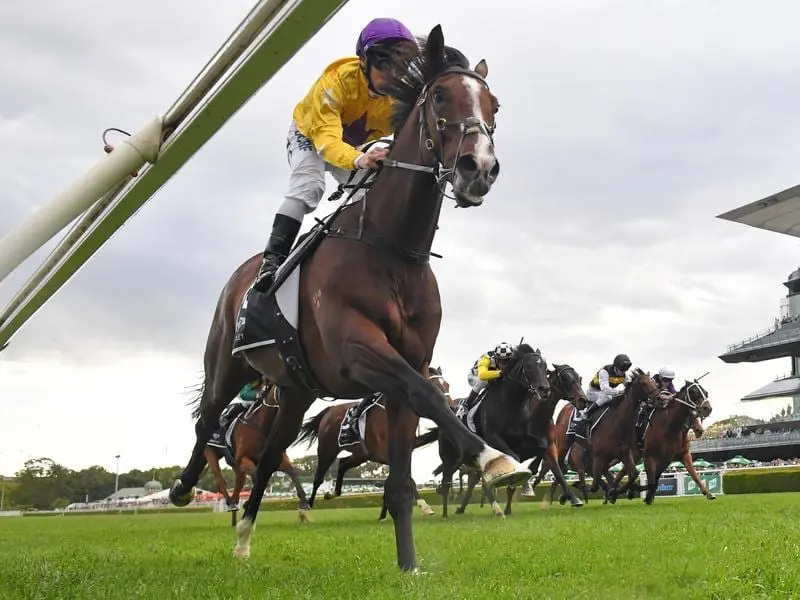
column 607, row 384
column 345, row 108
column 487, row 368
column 664, row 380
column 247, row 396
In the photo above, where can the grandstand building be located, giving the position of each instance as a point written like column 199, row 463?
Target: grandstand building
column 780, row 437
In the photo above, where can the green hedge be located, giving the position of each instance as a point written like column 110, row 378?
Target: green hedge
column 759, row 481
column 375, row 499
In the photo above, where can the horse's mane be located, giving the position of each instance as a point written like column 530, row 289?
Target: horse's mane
column 422, row 70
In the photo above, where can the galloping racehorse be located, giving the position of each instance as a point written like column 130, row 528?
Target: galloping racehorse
column 538, row 441
column 502, row 418
column 325, row 427
column 666, row 437
column 249, row 431
column 611, row 435
column 366, row 311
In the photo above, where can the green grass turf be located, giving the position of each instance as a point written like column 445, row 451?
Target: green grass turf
column 734, row 547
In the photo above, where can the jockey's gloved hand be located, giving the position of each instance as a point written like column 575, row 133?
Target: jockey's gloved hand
column 619, row 390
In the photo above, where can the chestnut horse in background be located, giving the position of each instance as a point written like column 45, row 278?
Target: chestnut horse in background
column 250, row 431
column 324, row 427
column 368, row 305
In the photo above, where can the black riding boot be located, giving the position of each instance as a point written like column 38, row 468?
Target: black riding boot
column 281, row 240
column 472, row 399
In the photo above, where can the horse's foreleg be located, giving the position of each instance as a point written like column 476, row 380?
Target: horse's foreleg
column 326, row 454
column 552, row 458
column 219, row 480
column 687, row 462
column 376, row 364
column 399, row 487
column 288, row 420
column 472, row 480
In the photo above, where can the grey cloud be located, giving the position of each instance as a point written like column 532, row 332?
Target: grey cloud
column 622, row 132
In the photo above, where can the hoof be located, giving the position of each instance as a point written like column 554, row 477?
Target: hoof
column 576, row 503
column 711, row 496
column 241, row 552
column 428, row 511
column 504, row 471
column 302, row 513
column 180, row 496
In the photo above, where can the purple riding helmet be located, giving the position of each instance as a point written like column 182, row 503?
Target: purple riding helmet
column 380, row 31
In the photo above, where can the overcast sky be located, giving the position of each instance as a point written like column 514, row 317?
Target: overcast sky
column 624, row 129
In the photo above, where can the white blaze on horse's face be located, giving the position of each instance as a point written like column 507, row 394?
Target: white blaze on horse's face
column 477, row 166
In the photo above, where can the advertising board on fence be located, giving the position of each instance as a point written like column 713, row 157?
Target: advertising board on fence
column 682, row 484
column 713, row 481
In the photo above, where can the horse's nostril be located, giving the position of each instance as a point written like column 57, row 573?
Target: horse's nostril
column 467, row 165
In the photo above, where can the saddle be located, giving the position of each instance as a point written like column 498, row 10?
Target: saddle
column 271, row 318
column 353, row 424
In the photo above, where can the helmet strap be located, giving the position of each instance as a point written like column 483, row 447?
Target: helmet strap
column 367, row 69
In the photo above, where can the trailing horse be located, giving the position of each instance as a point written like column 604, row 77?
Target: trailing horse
column 355, row 309
column 248, row 434
column 538, row 441
column 504, row 418
column 611, row 435
column 325, row 427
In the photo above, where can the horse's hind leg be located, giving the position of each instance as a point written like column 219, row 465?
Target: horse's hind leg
column 293, row 405
column 345, row 464
column 225, row 377
column 303, row 506
column 424, row 507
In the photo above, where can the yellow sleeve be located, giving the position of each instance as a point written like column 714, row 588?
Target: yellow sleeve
column 325, row 122
column 484, row 372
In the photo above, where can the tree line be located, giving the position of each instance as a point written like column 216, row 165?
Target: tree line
column 45, row 484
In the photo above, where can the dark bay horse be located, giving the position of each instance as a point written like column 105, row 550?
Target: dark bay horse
column 325, row 427
column 539, row 443
column 611, row 436
column 503, row 417
column 248, row 435
column 369, row 310
column 667, row 437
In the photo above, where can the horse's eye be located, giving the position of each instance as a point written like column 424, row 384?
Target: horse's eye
column 438, row 95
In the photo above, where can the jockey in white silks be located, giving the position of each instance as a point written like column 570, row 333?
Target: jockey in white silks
column 607, row 384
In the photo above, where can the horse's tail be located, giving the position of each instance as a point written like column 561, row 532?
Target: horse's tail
column 427, row 438
column 310, row 429
column 197, row 390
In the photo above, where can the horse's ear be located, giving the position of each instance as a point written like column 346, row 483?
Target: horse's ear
column 435, row 45
column 482, row 68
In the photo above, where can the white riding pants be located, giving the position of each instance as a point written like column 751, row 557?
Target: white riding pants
column 307, row 178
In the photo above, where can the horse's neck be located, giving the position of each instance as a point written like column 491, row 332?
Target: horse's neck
column 677, row 413
column 626, row 409
column 404, row 204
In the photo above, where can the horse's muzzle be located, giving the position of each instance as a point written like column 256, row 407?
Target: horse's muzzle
column 474, row 177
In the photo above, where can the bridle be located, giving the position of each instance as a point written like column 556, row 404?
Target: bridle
column 441, row 380
column 525, row 381
column 693, row 407
column 467, row 126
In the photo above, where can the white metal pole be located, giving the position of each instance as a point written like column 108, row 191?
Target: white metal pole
column 107, row 173
column 116, row 481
